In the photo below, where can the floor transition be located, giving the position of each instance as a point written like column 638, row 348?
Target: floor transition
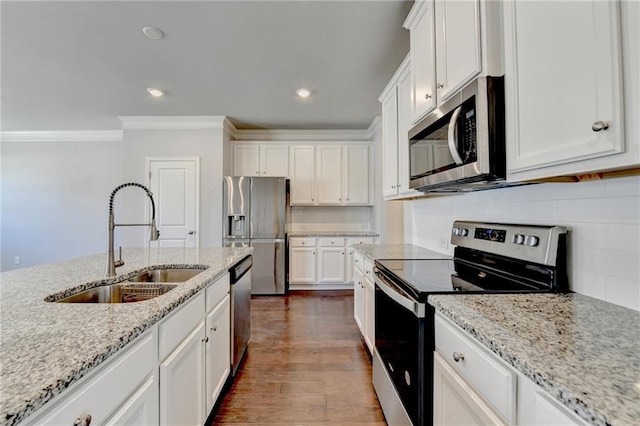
column 306, row 365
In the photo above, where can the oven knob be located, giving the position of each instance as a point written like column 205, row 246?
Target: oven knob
column 456, row 231
column 518, row 239
column 464, row 232
column 532, row 240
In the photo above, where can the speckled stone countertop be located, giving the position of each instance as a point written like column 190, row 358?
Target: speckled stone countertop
column 398, row 251
column 332, row 234
column 44, row 346
column 583, row 351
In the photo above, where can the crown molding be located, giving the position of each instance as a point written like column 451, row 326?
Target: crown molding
column 175, row 122
column 62, row 136
column 301, row 135
column 375, row 127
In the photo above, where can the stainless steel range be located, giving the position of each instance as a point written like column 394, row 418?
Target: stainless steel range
column 488, row 258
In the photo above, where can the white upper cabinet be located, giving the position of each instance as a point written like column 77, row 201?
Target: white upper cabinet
column 390, row 142
column 356, row 162
column 265, row 160
column 303, row 175
column 404, row 125
column 452, row 42
column 563, row 87
column 457, row 26
column 329, row 174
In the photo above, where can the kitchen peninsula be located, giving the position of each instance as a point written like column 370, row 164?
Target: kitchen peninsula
column 47, row 347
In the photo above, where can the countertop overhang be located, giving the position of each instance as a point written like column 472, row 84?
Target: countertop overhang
column 45, row 346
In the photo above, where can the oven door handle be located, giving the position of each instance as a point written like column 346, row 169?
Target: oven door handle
column 453, row 136
column 418, row 309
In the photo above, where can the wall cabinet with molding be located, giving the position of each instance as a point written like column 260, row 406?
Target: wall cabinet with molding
column 260, row 159
column 452, row 42
column 572, row 120
column 396, row 122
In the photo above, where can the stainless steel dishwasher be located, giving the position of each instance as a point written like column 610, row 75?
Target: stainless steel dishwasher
column 240, row 275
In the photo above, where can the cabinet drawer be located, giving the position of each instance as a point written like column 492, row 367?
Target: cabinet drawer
column 302, row 242
column 174, row 329
column 483, row 370
column 106, row 391
column 331, row 242
column 354, row 241
column 217, row 291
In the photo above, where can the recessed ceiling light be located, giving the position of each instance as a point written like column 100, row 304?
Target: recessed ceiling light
column 153, row 33
column 303, row 93
column 155, row 92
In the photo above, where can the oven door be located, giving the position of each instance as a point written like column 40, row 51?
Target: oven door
column 404, row 348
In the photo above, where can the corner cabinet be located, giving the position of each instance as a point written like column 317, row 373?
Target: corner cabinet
column 260, row 159
column 570, row 121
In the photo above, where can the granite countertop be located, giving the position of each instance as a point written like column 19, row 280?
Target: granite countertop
column 44, row 346
column 333, row 234
column 583, row 351
column 398, row 251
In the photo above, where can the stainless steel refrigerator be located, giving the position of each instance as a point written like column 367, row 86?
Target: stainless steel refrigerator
column 255, row 214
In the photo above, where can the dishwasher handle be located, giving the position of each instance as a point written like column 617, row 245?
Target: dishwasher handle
column 238, row 270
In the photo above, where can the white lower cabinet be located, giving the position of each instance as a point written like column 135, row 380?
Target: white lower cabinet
column 369, row 310
column 218, row 350
column 358, row 298
column 141, row 408
column 472, row 385
column 331, row 265
column 364, row 298
column 302, row 265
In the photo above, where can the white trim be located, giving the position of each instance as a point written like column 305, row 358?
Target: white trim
column 374, row 127
column 402, row 68
column 62, row 136
column 301, row 135
column 147, row 179
column 173, row 122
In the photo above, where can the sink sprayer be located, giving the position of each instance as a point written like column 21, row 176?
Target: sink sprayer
column 112, row 264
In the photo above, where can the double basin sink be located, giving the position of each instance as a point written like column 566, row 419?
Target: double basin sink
column 144, row 286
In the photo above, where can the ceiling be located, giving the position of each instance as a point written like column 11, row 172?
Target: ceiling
column 80, row 65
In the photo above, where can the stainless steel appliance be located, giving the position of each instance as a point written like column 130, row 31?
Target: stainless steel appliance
column 255, row 215
column 240, row 277
column 488, row 258
column 460, row 146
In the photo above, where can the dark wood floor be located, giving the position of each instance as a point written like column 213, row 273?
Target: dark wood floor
column 306, row 365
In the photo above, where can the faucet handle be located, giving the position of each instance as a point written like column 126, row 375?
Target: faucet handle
column 119, row 262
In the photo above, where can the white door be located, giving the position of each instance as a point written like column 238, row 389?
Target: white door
column 141, row 408
column 274, row 160
column 218, row 345
column 404, row 125
column 175, row 185
column 329, row 177
column 246, row 160
column 303, row 175
column 356, row 163
column 390, row 144
column 369, row 314
column 331, row 265
column 302, row 265
column 358, row 298
column 423, row 63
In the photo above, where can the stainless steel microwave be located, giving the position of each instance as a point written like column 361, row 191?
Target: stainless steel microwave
column 460, row 146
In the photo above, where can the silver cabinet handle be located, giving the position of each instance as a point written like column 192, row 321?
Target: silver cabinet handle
column 453, row 135
column 85, row 421
column 427, row 96
column 440, row 85
column 342, row 253
column 599, row 126
column 257, row 173
column 214, row 328
column 205, row 340
column 457, row 357
column 191, row 232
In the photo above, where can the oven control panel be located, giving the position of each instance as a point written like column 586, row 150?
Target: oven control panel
column 533, row 243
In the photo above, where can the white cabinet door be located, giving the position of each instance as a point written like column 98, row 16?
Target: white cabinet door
column 423, row 50
column 331, row 264
column 404, row 125
column 356, row 178
column 274, row 160
column 302, row 265
column 218, row 350
column 329, row 174
column 349, row 265
column 455, row 402
column 562, row 86
column 302, row 174
column 457, row 45
column 182, row 399
column 246, row 160
column 358, row 298
column 390, row 144
column 369, row 314
column 140, row 409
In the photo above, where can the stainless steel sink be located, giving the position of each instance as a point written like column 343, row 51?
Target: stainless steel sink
column 119, row 293
column 174, row 275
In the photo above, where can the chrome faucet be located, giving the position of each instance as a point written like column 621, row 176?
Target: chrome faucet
column 112, row 264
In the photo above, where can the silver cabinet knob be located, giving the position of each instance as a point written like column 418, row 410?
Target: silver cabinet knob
column 214, row 328
column 440, row 85
column 205, row 340
column 457, row 357
column 191, row 232
column 257, row 173
column 599, row 126
column 427, row 96
column 85, row 421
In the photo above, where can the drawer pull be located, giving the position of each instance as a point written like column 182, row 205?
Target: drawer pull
column 205, row 340
column 85, row 421
column 457, row 357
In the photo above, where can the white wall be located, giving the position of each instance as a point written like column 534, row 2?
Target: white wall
column 55, row 199
column 603, row 218
column 357, row 218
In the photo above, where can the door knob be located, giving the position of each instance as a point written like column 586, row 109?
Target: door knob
column 599, row 126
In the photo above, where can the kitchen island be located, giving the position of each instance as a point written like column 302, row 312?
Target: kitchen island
column 45, row 347
column 584, row 352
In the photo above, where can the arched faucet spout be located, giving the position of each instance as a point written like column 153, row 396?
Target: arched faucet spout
column 112, row 264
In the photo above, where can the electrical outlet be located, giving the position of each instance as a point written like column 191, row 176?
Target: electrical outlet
column 17, row 260
column 444, row 243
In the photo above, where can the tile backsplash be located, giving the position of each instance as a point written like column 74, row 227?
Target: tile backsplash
column 603, row 218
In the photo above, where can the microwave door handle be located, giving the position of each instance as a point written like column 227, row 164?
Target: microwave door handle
column 453, row 136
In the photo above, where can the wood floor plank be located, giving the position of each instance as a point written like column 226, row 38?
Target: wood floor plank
column 306, row 365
